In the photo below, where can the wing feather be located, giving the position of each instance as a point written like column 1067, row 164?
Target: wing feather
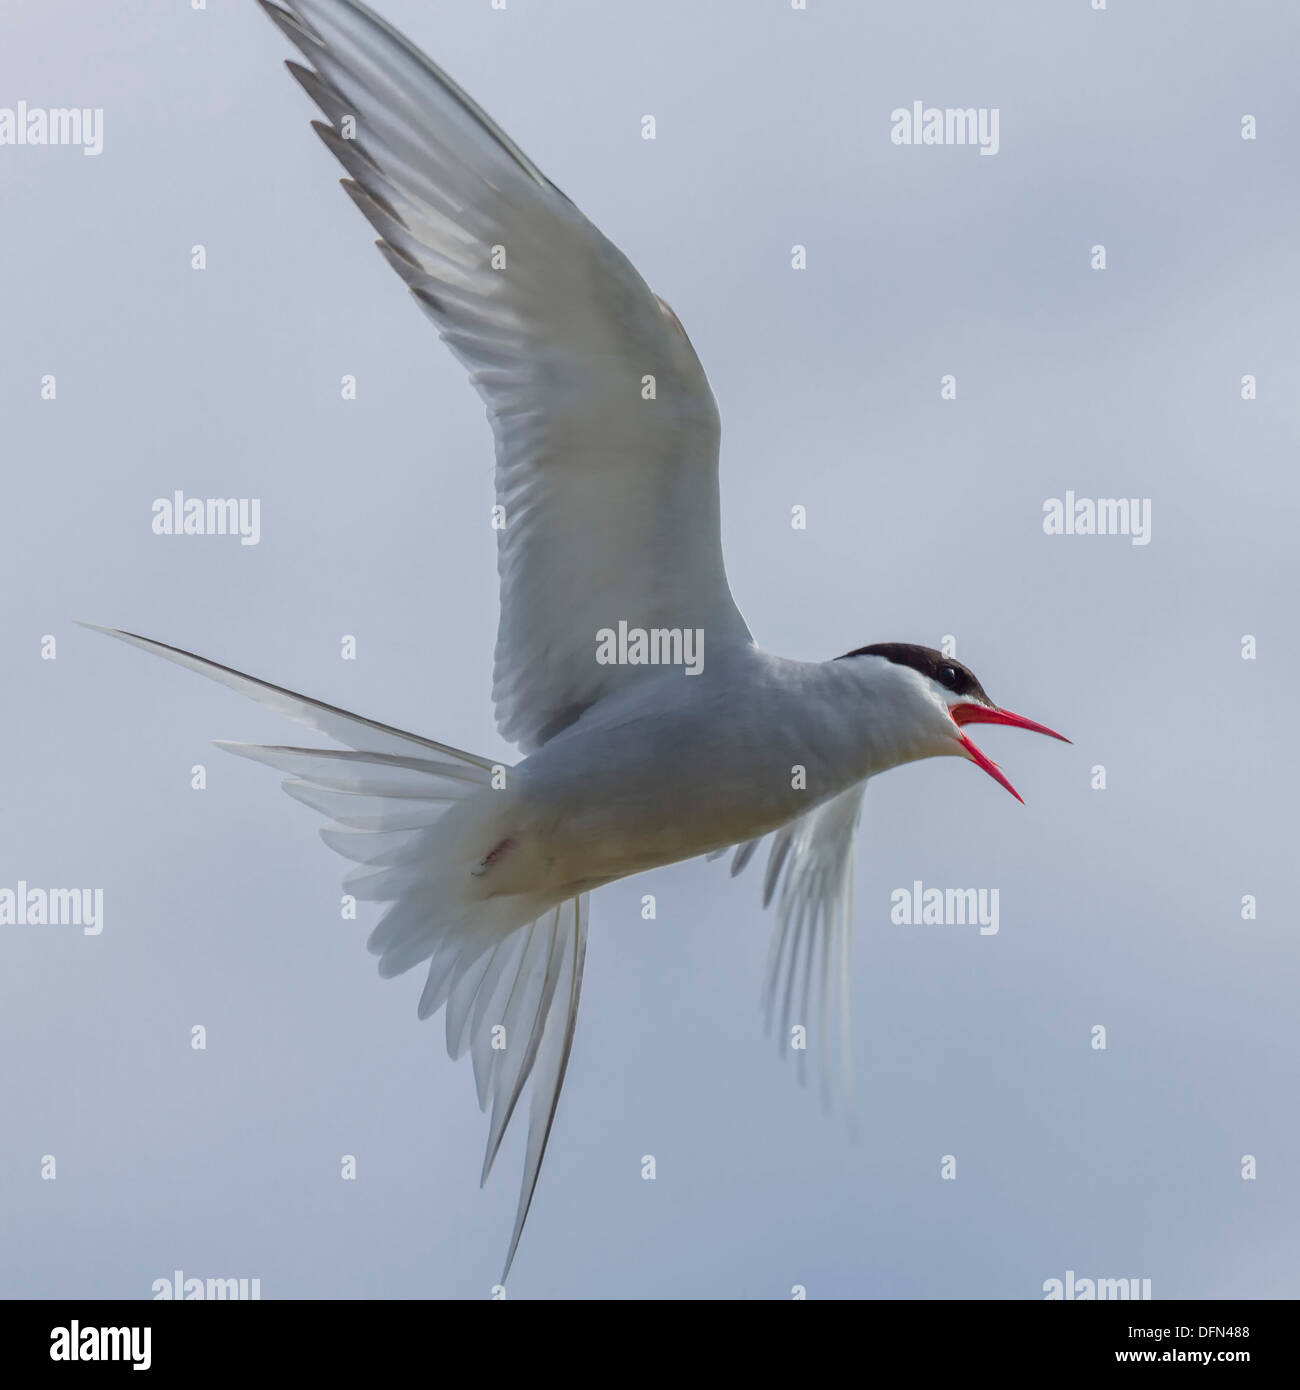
column 811, row 860
column 608, row 491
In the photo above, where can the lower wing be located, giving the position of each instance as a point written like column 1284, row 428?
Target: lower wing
column 811, row 860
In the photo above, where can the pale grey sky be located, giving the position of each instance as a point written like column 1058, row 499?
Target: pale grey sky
column 1119, row 907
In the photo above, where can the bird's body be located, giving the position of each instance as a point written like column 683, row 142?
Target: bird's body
column 682, row 766
column 607, row 514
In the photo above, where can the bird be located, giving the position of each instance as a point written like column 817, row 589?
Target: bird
column 652, row 727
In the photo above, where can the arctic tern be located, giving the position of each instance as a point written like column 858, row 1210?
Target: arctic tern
column 608, row 522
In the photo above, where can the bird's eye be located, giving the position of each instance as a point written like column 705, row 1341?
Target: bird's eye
column 948, row 676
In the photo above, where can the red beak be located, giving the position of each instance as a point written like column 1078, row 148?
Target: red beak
column 987, row 714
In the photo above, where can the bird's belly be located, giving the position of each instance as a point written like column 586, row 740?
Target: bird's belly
column 620, row 825
column 655, row 781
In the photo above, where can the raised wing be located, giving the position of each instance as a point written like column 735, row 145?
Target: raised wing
column 606, row 429
column 812, row 861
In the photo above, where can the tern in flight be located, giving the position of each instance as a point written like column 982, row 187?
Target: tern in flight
column 608, row 522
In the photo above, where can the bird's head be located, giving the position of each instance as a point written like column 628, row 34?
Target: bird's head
column 934, row 697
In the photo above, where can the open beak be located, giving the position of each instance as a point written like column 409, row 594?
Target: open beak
column 988, row 714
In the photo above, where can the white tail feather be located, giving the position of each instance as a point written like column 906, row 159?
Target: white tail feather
column 411, row 813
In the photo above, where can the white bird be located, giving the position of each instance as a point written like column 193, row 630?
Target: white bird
column 610, row 527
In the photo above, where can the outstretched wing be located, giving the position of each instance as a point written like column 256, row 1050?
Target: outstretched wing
column 811, row 860
column 606, row 429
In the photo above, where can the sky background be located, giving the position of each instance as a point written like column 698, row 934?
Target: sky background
column 1119, row 907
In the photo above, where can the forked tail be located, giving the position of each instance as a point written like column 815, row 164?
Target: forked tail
column 506, row 969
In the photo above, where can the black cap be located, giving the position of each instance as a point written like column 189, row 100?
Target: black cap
column 946, row 671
